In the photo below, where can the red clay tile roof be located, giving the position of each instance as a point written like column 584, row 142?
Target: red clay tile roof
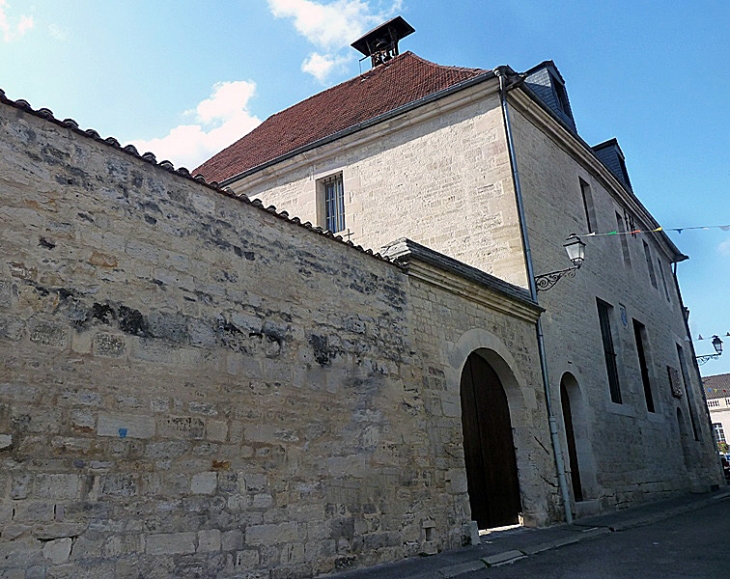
column 717, row 386
column 404, row 80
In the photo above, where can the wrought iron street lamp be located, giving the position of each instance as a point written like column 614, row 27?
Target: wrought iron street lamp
column 576, row 250
column 717, row 344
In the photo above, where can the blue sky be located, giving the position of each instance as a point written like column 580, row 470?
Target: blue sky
column 185, row 78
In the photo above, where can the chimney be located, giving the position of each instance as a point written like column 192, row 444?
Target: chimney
column 381, row 43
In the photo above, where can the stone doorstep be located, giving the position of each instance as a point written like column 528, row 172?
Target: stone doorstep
column 587, row 508
column 503, row 558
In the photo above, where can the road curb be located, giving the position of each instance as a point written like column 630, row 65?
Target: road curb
column 656, row 517
column 462, row 569
column 562, row 542
column 513, row 555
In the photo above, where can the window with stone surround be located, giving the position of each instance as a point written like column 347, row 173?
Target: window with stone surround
column 641, row 350
column 621, row 230
column 649, row 264
column 664, row 279
column 688, row 391
column 604, row 316
column 590, row 212
column 331, row 203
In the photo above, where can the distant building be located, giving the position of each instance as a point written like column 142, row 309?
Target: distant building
column 717, row 391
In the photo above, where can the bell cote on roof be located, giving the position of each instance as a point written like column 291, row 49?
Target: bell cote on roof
column 381, row 43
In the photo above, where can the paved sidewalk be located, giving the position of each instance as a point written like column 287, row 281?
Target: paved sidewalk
column 509, row 546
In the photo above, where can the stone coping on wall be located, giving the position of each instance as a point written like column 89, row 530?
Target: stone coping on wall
column 405, row 252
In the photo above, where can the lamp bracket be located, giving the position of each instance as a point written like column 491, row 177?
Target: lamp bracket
column 546, row 281
column 706, row 358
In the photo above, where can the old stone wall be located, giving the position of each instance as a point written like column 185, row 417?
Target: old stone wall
column 195, row 387
column 439, row 174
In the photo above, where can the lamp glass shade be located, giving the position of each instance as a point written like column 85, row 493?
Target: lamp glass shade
column 717, row 344
column 576, row 249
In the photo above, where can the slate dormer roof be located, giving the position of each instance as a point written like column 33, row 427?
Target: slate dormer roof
column 546, row 82
column 611, row 155
column 406, row 80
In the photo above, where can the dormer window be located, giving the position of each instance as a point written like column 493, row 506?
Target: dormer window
column 561, row 96
column 548, row 86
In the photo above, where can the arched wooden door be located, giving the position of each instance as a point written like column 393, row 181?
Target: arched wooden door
column 491, row 465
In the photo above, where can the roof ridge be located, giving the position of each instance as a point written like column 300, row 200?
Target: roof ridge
column 361, row 76
column 389, row 87
column 447, row 66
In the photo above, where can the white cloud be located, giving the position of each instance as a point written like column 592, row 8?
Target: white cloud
column 724, row 247
column 219, row 121
column 12, row 31
column 57, row 32
column 331, row 27
column 320, row 66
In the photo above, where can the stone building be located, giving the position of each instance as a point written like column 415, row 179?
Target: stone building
column 487, row 167
column 192, row 385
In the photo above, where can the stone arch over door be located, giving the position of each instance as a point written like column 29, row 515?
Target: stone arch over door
column 489, row 450
column 578, row 452
column 522, row 387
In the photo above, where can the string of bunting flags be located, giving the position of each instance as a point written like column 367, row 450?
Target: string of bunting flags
column 657, row 230
column 699, row 336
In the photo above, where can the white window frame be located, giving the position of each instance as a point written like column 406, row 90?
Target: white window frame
column 331, row 203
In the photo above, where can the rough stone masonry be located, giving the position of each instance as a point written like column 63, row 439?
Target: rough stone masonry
column 193, row 386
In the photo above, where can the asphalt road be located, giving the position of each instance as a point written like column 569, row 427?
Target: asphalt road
column 694, row 544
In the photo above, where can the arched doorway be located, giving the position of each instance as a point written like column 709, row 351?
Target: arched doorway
column 491, row 465
column 573, row 463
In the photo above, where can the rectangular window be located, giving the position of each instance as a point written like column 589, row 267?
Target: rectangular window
column 640, row 336
column 585, row 191
column 719, row 432
column 333, row 198
column 649, row 264
column 664, row 279
column 604, row 316
column 688, row 391
column 621, row 230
